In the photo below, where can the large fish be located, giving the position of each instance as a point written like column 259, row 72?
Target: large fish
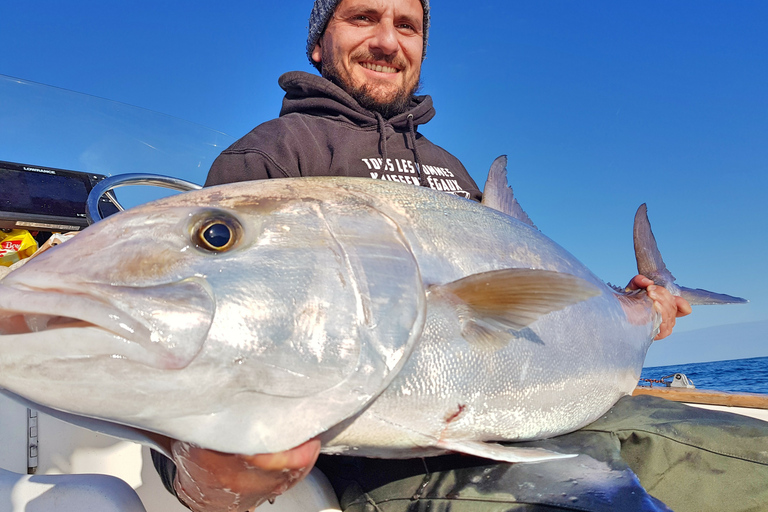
column 389, row 320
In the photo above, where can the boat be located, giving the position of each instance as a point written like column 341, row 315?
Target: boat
column 681, row 389
column 48, row 464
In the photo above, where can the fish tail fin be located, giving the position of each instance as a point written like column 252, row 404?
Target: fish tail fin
column 651, row 265
column 699, row 297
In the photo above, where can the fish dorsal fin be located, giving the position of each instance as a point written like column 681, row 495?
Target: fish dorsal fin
column 495, row 451
column 650, row 264
column 491, row 305
column 498, row 195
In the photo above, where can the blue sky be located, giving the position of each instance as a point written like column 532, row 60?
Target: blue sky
column 600, row 106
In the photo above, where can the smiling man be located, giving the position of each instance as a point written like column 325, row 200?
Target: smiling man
column 361, row 117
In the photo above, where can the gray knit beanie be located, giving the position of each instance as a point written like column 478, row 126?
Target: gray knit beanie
column 321, row 14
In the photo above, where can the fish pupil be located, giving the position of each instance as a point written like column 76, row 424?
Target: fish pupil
column 217, row 235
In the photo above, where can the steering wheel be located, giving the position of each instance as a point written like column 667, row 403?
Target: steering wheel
column 121, row 180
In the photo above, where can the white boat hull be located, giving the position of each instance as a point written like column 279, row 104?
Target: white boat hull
column 65, row 449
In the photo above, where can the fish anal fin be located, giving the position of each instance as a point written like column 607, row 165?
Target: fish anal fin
column 497, row 193
column 492, row 304
column 502, row 453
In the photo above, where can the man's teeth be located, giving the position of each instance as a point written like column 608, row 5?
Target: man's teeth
column 376, row 67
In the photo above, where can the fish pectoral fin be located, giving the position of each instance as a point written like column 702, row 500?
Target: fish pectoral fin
column 502, row 453
column 493, row 304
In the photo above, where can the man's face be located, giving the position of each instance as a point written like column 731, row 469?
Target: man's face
column 373, row 50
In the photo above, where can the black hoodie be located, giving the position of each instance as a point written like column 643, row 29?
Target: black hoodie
column 323, row 131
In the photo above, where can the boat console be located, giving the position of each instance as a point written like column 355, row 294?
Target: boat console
column 40, row 198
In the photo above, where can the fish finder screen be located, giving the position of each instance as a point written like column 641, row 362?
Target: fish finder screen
column 46, row 199
column 43, row 193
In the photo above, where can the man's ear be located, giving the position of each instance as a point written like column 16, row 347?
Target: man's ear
column 317, row 52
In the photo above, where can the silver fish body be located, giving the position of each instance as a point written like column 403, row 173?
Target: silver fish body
column 390, row 320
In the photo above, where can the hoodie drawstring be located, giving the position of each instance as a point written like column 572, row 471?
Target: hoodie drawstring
column 383, row 145
column 422, row 178
column 382, row 140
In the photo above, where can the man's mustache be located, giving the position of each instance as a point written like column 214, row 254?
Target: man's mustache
column 396, row 60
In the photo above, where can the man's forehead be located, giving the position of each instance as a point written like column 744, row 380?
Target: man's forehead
column 413, row 8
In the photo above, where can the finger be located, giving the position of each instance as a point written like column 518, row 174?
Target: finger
column 669, row 302
column 683, row 307
column 667, row 320
column 296, row 458
column 664, row 304
column 638, row 282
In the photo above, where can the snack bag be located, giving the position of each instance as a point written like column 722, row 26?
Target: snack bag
column 16, row 245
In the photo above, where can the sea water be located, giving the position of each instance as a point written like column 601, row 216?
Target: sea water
column 738, row 375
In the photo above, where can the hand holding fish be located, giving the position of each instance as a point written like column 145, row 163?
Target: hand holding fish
column 211, row 481
column 669, row 306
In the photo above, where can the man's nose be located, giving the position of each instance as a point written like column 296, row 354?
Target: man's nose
column 385, row 38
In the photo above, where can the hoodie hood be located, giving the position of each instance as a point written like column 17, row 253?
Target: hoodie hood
column 314, row 95
column 323, row 131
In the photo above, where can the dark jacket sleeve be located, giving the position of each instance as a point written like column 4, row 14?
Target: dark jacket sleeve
column 271, row 150
column 243, row 165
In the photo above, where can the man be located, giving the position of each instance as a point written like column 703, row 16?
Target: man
column 359, row 118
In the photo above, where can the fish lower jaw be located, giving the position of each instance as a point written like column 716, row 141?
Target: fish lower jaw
column 69, row 344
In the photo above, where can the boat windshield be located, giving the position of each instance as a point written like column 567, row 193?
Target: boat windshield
column 47, row 126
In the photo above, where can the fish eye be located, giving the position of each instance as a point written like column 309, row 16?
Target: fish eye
column 217, row 235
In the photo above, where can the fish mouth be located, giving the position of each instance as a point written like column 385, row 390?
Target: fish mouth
column 21, row 323
column 163, row 326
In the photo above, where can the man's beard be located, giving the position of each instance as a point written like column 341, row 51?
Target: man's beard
column 397, row 103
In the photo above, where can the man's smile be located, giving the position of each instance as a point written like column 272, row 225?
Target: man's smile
column 379, row 68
